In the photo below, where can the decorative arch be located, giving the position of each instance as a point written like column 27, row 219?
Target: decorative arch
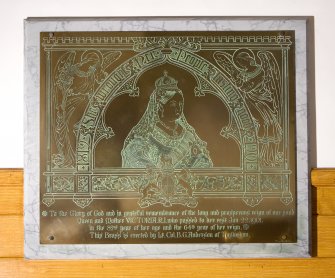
column 123, row 80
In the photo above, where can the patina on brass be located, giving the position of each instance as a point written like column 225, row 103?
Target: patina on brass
column 168, row 137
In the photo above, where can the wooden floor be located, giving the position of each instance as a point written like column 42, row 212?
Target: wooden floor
column 12, row 263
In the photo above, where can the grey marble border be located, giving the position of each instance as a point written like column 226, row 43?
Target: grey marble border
column 34, row 250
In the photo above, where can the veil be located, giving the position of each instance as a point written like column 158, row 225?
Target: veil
column 137, row 142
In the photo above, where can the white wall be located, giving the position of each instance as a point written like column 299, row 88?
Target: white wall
column 12, row 13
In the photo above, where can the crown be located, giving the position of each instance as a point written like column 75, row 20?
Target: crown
column 166, row 82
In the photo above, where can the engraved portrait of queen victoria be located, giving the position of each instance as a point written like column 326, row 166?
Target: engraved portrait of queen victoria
column 163, row 133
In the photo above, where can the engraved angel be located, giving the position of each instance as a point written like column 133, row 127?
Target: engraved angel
column 260, row 85
column 74, row 83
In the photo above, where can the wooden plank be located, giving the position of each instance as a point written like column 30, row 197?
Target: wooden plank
column 325, row 226
column 11, row 236
column 323, row 176
column 316, row 267
column 325, row 200
column 13, row 177
column 323, row 191
column 11, row 200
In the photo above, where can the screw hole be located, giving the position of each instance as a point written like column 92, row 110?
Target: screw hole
column 51, row 237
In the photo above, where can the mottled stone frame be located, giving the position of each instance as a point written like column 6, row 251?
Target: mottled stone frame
column 303, row 27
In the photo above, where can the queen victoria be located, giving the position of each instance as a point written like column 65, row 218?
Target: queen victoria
column 163, row 132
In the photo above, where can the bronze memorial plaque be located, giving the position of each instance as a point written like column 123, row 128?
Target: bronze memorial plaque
column 168, row 137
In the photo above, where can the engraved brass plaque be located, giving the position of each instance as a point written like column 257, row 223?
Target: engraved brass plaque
column 168, row 137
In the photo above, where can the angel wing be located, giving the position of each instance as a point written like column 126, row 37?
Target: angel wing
column 109, row 58
column 106, row 60
column 63, row 64
column 62, row 86
column 272, row 79
column 225, row 61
